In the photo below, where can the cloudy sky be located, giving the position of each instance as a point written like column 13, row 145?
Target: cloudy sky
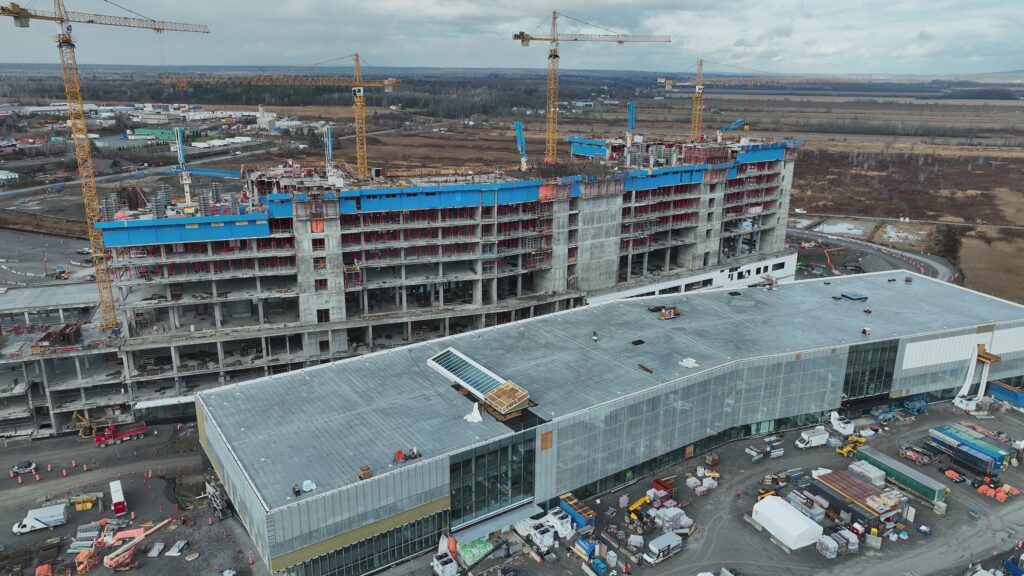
column 786, row 36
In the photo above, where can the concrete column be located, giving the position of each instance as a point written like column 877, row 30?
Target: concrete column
column 519, row 285
column 26, row 319
column 645, row 268
column 259, row 310
column 402, row 297
column 213, row 287
column 629, row 266
column 408, row 331
column 217, row 314
column 478, row 292
column 78, row 368
column 369, row 337
column 60, row 312
column 447, row 328
column 366, row 301
column 440, row 296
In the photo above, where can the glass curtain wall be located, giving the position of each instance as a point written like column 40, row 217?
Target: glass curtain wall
column 492, row 477
column 869, row 369
column 380, row 551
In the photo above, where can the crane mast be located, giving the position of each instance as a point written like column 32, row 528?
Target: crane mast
column 359, row 109
column 697, row 111
column 554, row 38
column 551, row 118
column 76, row 122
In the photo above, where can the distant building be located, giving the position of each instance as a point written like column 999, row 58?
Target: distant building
column 8, row 176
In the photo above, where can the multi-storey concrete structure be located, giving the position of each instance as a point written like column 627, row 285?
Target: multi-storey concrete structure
column 614, row 393
column 299, row 269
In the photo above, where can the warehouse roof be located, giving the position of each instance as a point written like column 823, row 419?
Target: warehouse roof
column 328, row 420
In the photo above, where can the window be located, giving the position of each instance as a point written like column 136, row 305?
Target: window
column 711, row 216
column 869, row 369
column 320, row 263
column 319, row 244
column 489, row 478
column 778, row 266
column 316, row 226
column 707, row 233
column 323, row 315
column 711, row 202
column 320, row 284
column 325, row 345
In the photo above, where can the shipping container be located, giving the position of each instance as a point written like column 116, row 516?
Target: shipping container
column 904, row 476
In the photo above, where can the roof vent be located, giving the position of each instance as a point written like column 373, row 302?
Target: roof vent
column 734, row 293
column 637, row 342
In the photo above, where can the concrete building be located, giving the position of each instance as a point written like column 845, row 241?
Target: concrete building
column 301, row 268
column 610, row 398
column 6, row 176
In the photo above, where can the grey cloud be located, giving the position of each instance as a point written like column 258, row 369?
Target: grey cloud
column 929, row 36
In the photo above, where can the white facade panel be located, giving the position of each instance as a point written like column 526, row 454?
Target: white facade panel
column 1008, row 340
column 941, row 350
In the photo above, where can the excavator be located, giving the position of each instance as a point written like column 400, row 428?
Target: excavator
column 86, row 427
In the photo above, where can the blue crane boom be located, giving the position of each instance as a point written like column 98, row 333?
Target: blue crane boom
column 520, row 139
column 630, row 116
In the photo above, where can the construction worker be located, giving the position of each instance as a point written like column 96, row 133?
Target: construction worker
column 629, row 569
column 296, row 490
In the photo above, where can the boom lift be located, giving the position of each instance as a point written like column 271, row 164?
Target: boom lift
column 521, row 145
column 551, row 113
column 76, row 120
column 734, row 125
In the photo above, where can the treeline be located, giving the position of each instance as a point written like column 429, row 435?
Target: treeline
column 453, row 98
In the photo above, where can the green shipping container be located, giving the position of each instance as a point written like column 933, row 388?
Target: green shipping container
column 905, row 476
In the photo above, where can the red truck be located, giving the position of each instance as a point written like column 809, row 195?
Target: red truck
column 111, row 434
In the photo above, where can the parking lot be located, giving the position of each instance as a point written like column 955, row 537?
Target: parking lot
column 173, row 460
column 724, row 539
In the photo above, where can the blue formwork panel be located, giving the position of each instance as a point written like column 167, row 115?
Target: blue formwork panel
column 175, row 230
column 588, row 150
column 763, row 155
column 280, row 209
column 347, row 206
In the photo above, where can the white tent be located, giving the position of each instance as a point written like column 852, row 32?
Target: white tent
column 786, row 523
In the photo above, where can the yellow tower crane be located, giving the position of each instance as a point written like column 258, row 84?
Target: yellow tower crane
column 76, row 121
column 697, row 107
column 551, row 113
column 356, row 82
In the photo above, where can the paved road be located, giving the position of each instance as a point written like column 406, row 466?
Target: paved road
column 914, row 221
column 927, row 264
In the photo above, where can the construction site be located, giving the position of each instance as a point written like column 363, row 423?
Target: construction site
column 301, row 265
column 467, row 439
column 453, row 365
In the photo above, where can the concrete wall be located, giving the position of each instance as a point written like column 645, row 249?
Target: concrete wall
column 600, row 228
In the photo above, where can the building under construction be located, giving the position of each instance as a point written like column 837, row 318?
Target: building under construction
column 601, row 395
column 302, row 267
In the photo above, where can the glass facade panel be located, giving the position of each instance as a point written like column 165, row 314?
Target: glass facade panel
column 380, row 551
column 492, row 477
column 869, row 369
